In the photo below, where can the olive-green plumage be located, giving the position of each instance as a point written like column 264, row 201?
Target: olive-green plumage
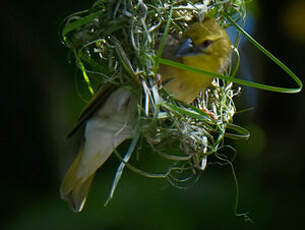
column 207, row 46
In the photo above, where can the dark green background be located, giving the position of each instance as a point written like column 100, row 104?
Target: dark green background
column 40, row 102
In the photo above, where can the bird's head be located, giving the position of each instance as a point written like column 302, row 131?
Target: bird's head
column 206, row 41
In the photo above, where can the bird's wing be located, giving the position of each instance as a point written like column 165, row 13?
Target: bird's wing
column 93, row 105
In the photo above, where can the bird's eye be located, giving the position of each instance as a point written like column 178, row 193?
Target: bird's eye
column 206, row 43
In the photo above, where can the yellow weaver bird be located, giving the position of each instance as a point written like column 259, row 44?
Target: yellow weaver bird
column 111, row 115
column 206, row 46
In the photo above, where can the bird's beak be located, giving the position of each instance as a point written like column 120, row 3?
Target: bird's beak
column 187, row 48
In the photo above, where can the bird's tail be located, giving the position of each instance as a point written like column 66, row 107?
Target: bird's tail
column 73, row 189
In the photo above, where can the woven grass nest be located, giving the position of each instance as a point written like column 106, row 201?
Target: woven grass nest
column 114, row 44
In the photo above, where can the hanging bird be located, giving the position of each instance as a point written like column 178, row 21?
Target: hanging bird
column 109, row 124
column 111, row 115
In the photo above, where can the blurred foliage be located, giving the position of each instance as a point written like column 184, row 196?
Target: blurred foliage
column 293, row 21
column 40, row 107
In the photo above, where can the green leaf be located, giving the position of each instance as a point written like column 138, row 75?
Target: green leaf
column 234, row 80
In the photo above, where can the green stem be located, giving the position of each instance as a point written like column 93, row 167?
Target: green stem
column 269, row 55
column 163, row 41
